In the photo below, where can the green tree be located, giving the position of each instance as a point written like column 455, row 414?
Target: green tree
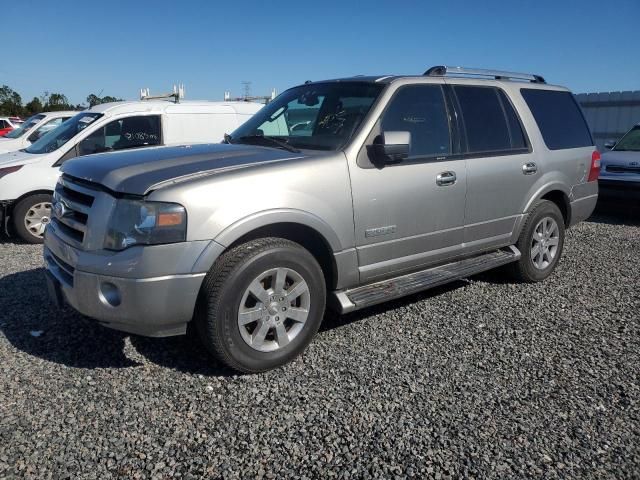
column 94, row 99
column 57, row 102
column 33, row 107
column 10, row 101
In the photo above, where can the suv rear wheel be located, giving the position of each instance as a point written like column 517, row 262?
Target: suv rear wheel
column 261, row 304
column 540, row 243
column 30, row 217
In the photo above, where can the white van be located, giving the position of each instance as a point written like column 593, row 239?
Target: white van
column 32, row 129
column 28, row 177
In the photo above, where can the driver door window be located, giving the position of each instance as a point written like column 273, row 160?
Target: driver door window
column 124, row 133
column 420, row 110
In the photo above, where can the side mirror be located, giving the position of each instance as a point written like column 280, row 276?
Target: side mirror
column 34, row 136
column 609, row 144
column 392, row 147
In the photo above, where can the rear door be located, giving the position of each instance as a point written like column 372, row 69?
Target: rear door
column 404, row 216
column 500, row 165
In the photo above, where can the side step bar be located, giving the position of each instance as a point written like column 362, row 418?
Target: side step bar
column 367, row 295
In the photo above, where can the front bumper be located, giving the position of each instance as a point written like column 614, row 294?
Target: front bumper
column 156, row 306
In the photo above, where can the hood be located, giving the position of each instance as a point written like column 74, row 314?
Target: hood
column 9, row 144
column 140, row 171
column 613, row 157
column 18, row 158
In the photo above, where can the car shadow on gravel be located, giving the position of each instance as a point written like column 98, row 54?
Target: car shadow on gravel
column 184, row 353
column 32, row 325
column 334, row 320
column 63, row 336
column 5, row 239
column 612, row 213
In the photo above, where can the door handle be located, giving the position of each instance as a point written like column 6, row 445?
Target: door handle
column 446, row 178
column 529, row 168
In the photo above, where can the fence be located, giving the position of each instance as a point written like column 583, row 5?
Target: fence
column 610, row 114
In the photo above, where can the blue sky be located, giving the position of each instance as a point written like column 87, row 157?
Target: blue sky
column 118, row 47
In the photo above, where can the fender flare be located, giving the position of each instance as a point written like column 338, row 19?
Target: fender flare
column 542, row 191
column 248, row 224
column 270, row 217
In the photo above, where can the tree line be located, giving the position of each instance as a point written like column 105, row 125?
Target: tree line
column 11, row 103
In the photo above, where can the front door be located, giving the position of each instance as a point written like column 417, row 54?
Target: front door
column 410, row 214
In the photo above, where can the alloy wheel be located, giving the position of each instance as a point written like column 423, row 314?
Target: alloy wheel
column 544, row 244
column 274, row 309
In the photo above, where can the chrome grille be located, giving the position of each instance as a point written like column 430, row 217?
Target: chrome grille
column 623, row 169
column 71, row 208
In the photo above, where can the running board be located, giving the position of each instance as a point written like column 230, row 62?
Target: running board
column 361, row 297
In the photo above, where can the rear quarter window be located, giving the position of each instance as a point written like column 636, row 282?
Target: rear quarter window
column 559, row 118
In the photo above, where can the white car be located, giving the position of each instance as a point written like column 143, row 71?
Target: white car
column 32, row 129
column 28, row 177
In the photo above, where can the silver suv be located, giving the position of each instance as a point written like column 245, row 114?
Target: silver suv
column 393, row 185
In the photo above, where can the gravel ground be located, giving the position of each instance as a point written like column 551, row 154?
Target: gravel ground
column 479, row 379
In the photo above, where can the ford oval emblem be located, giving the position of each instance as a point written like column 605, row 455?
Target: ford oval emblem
column 59, row 209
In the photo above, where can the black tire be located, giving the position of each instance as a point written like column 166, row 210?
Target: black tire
column 20, row 211
column 524, row 269
column 216, row 316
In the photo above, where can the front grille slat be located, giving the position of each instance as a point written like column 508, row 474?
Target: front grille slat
column 70, row 218
column 623, row 169
column 78, row 207
column 74, row 224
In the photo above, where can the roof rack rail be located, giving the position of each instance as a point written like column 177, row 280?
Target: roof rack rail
column 443, row 70
column 177, row 95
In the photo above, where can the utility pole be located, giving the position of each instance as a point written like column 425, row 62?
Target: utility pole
column 247, row 89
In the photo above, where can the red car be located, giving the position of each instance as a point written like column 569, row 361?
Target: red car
column 8, row 123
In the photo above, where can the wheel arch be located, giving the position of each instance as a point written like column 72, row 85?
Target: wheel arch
column 556, row 193
column 303, row 228
column 41, row 191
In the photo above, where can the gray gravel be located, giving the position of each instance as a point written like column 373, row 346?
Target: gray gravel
column 479, row 379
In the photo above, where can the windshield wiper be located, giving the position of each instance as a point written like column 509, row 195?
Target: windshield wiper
column 261, row 139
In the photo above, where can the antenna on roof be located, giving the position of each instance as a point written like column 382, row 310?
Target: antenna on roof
column 177, row 95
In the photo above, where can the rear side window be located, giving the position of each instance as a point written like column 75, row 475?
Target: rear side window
column 559, row 118
column 491, row 124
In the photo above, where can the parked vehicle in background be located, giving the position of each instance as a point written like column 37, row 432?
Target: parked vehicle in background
column 7, row 124
column 32, row 129
column 620, row 172
column 399, row 184
column 28, row 176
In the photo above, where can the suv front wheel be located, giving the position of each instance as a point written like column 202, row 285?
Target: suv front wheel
column 261, row 304
column 540, row 243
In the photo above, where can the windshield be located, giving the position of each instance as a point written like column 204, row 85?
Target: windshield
column 57, row 137
column 24, row 127
column 321, row 116
column 630, row 142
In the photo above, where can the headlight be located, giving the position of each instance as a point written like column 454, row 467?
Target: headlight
column 136, row 222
